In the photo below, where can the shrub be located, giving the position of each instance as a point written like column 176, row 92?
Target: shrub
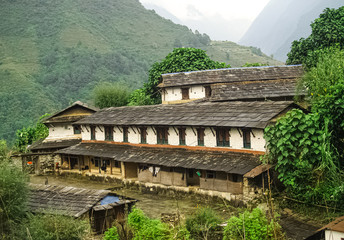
column 146, row 228
column 13, row 196
column 203, row 224
column 51, row 227
column 111, row 95
column 250, row 226
column 111, row 234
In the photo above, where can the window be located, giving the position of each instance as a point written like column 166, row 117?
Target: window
column 182, row 135
column 143, row 135
column 93, row 133
column 190, row 173
column 185, row 93
column 125, row 134
column 222, row 137
column 210, row 174
column 200, row 136
column 77, row 129
column 162, row 135
column 117, row 164
column 207, row 91
column 108, row 133
column 246, row 134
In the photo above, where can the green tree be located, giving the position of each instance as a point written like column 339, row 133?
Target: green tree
column 254, row 64
column 327, row 31
column 110, row 95
column 179, row 60
column 27, row 136
column 251, row 226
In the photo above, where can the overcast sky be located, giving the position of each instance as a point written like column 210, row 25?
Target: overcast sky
column 220, row 19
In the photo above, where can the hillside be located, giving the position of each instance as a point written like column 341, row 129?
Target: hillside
column 281, row 22
column 53, row 53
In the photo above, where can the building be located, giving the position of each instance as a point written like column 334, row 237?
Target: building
column 211, row 142
column 100, row 207
column 62, row 134
column 332, row 231
column 232, row 84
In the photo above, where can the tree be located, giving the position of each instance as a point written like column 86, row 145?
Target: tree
column 27, row 136
column 307, row 149
column 327, row 31
column 110, row 95
column 179, row 60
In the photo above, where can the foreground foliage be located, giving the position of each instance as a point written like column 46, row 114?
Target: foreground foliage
column 308, row 148
column 203, row 224
column 13, row 198
column 251, row 226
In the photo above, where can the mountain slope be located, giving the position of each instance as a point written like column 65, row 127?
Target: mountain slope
column 53, row 53
column 282, row 22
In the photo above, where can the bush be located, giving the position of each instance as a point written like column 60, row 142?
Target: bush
column 250, row 226
column 203, row 224
column 111, row 95
column 146, row 228
column 111, row 234
column 51, row 227
column 13, row 198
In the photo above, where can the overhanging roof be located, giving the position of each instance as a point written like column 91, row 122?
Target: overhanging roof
column 212, row 114
column 224, row 161
column 57, row 144
column 229, row 75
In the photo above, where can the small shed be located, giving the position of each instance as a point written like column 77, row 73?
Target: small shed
column 332, row 231
column 101, row 207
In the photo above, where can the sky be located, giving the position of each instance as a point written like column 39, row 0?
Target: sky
column 220, row 19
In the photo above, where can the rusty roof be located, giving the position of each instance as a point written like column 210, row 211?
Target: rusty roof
column 229, row 75
column 230, row 162
column 336, row 225
column 69, row 201
column 212, row 114
column 249, row 90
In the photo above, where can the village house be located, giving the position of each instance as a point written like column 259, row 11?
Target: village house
column 332, row 231
column 232, row 84
column 62, row 134
column 212, row 145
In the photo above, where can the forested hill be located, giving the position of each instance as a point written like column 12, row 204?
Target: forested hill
column 281, row 22
column 53, row 53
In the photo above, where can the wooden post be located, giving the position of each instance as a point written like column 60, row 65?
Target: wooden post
column 69, row 166
column 89, row 164
column 79, row 166
column 111, row 160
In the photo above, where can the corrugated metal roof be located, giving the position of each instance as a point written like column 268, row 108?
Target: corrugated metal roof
column 224, row 161
column 212, row 114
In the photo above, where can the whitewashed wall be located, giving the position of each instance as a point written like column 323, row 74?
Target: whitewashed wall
column 236, row 140
column 175, row 93
column 61, row 131
column 333, row 235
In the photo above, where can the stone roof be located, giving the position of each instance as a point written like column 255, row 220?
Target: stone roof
column 212, row 114
column 225, row 161
column 58, row 117
column 58, row 144
column 63, row 200
column 229, row 75
column 251, row 90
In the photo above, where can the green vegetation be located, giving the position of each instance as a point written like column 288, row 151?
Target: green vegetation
column 251, row 226
column 203, row 224
column 327, row 31
column 308, row 148
column 180, row 60
column 13, row 199
column 27, row 136
column 53, row 53
column 254, row 64
column 110, row 95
